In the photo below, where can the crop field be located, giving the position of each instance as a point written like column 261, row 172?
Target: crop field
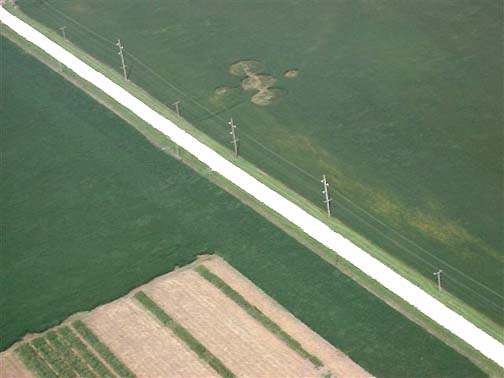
column 183, row 324
column 399, row 104
column 93, row 210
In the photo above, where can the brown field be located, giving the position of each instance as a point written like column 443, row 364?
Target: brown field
column 238, row 340
column 12, row 367
column 140, row 342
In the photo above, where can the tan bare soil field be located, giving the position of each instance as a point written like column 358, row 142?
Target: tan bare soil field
column 12, row 367
column 239, row 341
column 142, row 344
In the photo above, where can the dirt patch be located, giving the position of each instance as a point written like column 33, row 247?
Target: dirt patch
column 255, row 79
column 221, row 91
column 258, row 82
column 289, row 74
column 12, row 367
column 246, row 67
column 268, row 96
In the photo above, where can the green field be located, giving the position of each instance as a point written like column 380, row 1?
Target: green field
column 400, row 104
column 91, row 210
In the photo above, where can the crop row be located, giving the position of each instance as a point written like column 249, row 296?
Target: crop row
column 257, row 314
column 53, row 358
column 102, row 350
column 184, row 335
column 75, row 342
column 33, row 362
column 70, row 356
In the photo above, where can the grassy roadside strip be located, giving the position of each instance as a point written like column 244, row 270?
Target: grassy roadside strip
column 69, row 356
column 74, row 342
column 184, row 335
column 102, row 350
column 407, row 272
column 33, row 362
column 52, row 357
column 257, row 314
column 165, row 144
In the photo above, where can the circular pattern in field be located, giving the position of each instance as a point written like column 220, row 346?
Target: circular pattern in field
column 246, row 67
column 268, row 96
column 291, row 73
column 258, row 82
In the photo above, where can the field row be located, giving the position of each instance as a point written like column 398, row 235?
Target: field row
column 202, row 321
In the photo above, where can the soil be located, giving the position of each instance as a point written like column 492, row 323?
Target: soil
column 146, row 347
column 12, row 367
column 220, row 91
column 291, row 73
column 258, row 82
column 246, row 67
column 267, row 96
column 243, row 344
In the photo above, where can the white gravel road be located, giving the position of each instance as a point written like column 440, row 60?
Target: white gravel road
column 412, row 294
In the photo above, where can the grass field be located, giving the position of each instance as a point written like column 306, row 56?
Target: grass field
column 93, row 210
column 400, row 105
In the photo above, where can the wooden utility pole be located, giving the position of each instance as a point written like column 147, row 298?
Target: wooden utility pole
column 63, row 33
column 327, row 198
column 234, row 140
column 438, row 274
column 121, row 48
column 176, row 104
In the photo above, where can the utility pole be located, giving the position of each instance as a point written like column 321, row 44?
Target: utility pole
column 121, row 48
column 63, row 33
column 176, row 104
column 327, row 198
column 234, row 140
column 438, row 274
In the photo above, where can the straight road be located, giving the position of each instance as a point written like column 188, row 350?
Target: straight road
column 316, row 229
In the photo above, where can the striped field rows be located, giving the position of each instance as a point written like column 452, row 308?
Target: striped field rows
column 202, row 321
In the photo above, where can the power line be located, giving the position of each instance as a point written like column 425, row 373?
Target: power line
column 299, row 169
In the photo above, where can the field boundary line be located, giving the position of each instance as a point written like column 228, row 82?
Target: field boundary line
column 310, row 225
